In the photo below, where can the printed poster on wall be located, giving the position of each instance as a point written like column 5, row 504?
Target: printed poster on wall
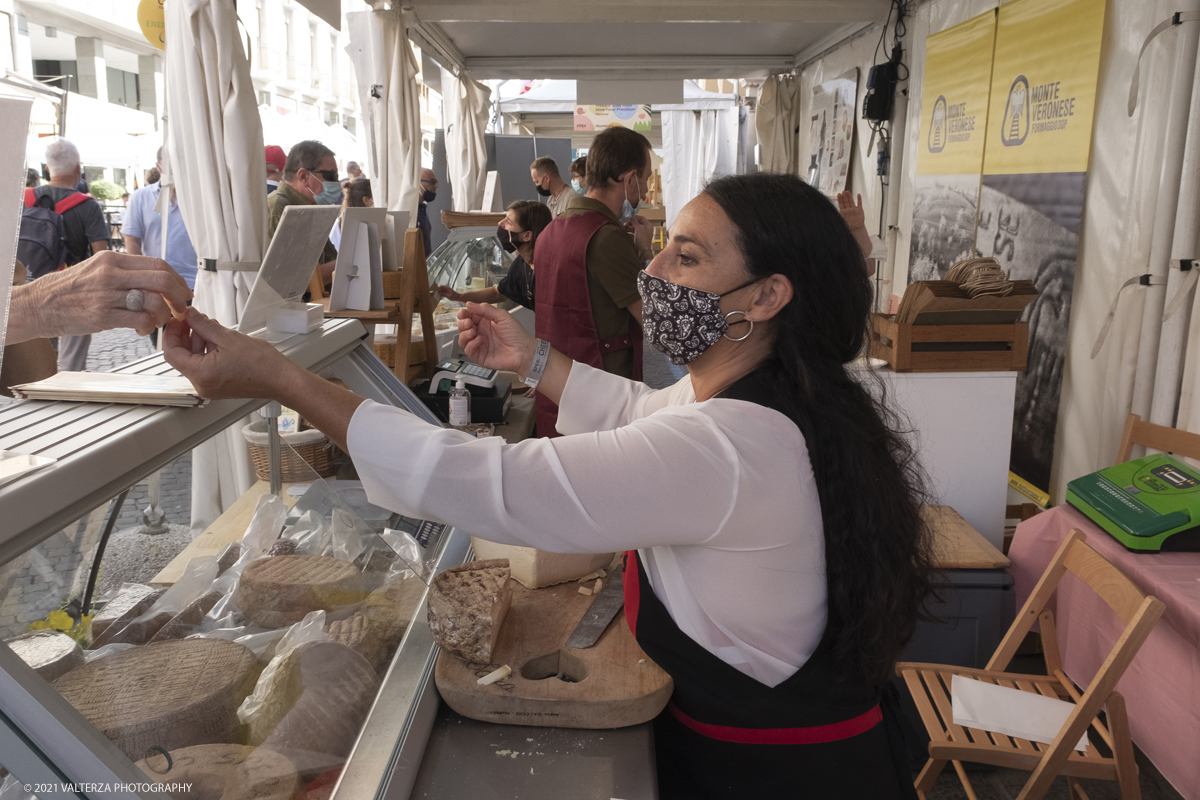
column 954, row 111
column 831, row 132
column 597, row 118
column 1035, row 164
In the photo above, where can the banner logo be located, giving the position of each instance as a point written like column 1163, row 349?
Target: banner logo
column 937, row 126
column 1016, row 114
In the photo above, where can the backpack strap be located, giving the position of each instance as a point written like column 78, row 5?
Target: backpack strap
column 70, row 201
column 30, row 197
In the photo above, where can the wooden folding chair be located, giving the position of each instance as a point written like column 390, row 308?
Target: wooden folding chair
column 930, row 687
column 1160, row 437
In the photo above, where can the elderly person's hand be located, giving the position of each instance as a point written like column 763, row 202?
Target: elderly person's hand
column 91, row 297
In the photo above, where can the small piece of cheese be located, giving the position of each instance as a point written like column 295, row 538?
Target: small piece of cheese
column 591, row 576
column 585, row 590
column 599, row 585
column 495, row 675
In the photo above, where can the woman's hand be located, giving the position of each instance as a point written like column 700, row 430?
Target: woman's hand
column 223, row 363
column 448, row 293
column 493, row 339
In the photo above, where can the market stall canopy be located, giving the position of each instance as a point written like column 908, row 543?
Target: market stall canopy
column 558, row 96
column 627, row 40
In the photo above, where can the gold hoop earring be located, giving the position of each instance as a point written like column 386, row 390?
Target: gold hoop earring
column 743, row 338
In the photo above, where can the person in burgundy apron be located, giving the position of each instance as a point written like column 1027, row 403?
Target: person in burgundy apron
column 769, row 508
column 565, row 312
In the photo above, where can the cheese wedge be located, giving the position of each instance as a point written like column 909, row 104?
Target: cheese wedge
column 535, row 568
column 467, row 605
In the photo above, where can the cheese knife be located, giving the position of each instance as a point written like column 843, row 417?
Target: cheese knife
column 601, row 612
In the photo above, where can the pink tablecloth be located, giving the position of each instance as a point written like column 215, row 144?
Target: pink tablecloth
column 1162, row 685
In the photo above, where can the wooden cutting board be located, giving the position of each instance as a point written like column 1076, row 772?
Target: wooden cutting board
column 609, row 685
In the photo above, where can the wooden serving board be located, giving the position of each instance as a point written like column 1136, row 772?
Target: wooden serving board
column 614, row 683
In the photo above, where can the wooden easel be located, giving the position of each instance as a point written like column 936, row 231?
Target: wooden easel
column 414, row 289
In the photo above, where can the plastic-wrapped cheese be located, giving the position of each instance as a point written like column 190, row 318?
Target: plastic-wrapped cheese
column 281, row 590
column 356, row 633
column 467, row 605
column 131, row 600
column 166, row 694
column 226, row 771
column 536, row 568
column 50, row 653
column 319, row 697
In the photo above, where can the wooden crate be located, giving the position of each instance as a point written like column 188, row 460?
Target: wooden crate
column 893, row 342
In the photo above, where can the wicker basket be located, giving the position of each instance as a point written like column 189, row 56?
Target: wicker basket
column 313, row 447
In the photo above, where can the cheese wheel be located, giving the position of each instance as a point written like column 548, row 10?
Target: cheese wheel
column 187, row 622
column 138, row 632
column 390, row 608
column 281, row 590
column 50, row 653
column 166, row 694
column 467, row 605
column 228, row 557
column 356, row 633
column 535, row 568
column 226, row 772
column 317, row 703
column 131, row 601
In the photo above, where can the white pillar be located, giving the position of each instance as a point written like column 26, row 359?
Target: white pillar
column 1180, row 93
column 93, row 77
column 150, row 86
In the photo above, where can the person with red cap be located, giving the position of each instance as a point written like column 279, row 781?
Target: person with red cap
column 276, row 159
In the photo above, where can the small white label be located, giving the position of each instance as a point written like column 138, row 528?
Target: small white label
column 460, row 411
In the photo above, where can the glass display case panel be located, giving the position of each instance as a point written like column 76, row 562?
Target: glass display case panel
column 469, row 259
column 254, row 655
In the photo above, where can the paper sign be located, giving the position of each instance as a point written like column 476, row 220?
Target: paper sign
column 358, row 275
column 288, row 264
column 1009, row 711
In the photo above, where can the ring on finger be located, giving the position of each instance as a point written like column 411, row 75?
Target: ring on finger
column 135, row 300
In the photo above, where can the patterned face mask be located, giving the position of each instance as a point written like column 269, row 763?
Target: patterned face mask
column 682, row 322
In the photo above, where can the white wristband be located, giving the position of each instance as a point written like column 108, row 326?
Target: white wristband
column 540, row 357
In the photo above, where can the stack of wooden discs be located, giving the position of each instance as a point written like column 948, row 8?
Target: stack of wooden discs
column 166, row 694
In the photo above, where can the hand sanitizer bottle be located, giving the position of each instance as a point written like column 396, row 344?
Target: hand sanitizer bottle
column 460, row 405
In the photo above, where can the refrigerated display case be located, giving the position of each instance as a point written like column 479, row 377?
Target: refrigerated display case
column 346, row 705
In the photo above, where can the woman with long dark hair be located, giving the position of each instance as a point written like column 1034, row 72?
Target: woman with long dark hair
column 776, row 562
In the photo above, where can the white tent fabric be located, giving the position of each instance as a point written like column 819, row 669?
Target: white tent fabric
column 558, row 97
column 287, row 129
column 697, row 146
column 215, row 151
column 777, row 120
column 466, row 106
column 386, row 71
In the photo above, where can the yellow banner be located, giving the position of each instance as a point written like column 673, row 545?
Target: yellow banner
column 954, row 104
column 1044, row 86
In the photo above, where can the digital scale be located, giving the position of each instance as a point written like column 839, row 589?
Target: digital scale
column 459, row 369
column 1148, row 504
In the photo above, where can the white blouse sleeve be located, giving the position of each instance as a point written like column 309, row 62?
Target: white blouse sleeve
column 591, row 493
column 595, row 400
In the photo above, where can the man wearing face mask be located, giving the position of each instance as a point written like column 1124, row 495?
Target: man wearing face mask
column 550, row 185
column 589, row 258
column 309, row 169
column 429, row 184
column 579, row 175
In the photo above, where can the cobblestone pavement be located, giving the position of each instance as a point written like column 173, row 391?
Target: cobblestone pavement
column 112, row 349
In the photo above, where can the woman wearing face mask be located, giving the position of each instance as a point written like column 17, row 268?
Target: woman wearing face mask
column 518, row 232
column 357, row 195
column 776, row 559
